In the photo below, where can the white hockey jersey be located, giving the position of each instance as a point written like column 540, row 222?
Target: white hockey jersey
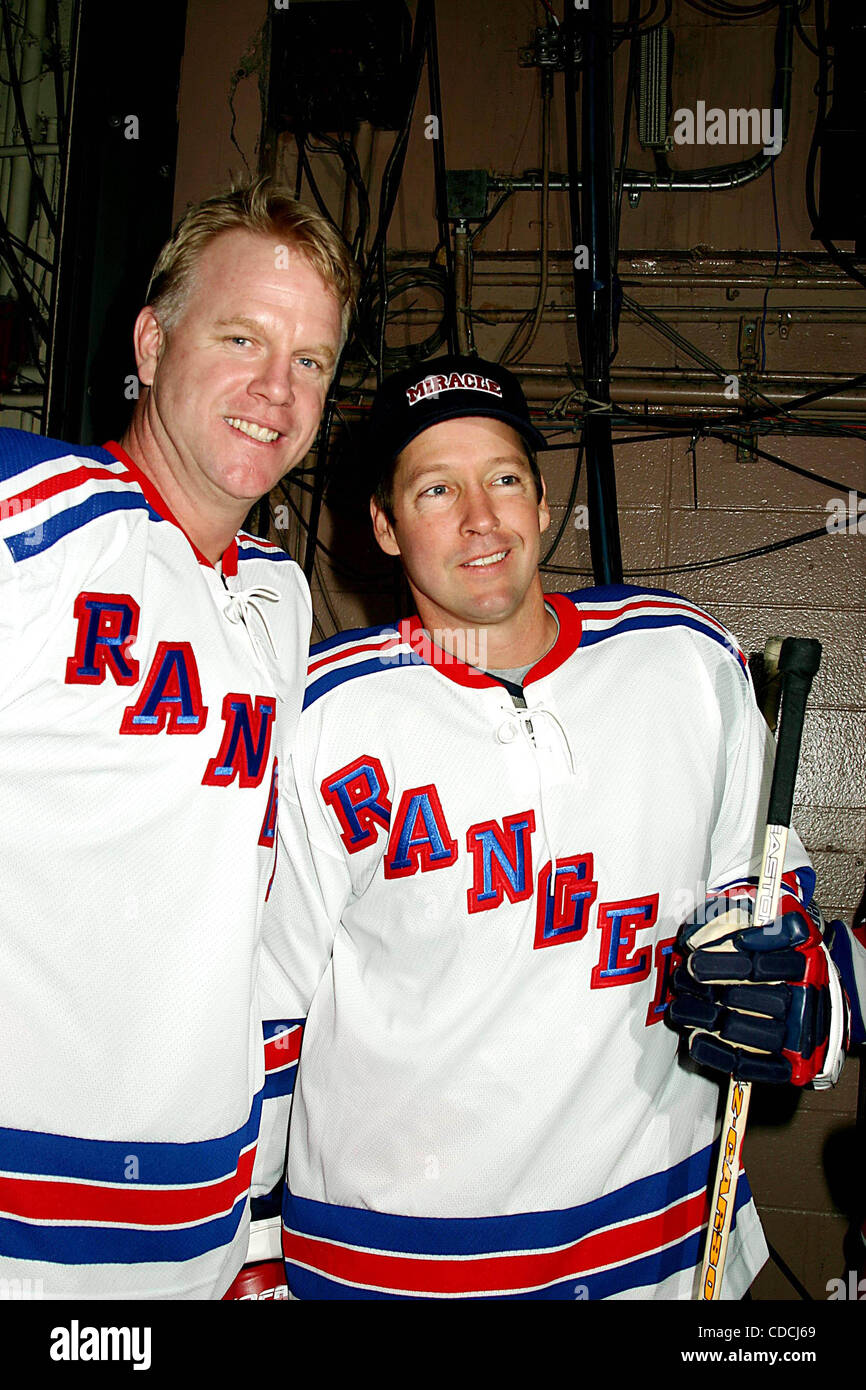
column 146, row 702
column 489, row 1103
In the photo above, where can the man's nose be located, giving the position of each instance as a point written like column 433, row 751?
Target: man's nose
column 274, row 380
column 479, row 514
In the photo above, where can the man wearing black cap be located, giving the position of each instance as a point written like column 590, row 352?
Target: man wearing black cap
column 488, row 861
column 480, row 575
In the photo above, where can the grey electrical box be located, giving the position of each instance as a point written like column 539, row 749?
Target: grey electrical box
column 654, row 88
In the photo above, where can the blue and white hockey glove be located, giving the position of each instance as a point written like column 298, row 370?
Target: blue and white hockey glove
column 847, row 947
column 760, row 1003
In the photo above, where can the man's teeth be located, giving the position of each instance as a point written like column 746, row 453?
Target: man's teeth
column 488, row 559
column 255, row 431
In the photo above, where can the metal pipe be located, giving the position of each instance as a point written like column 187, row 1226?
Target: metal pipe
column 724, row 271
column 797, row 313
column 708, row 179
column 20, row 151
column 462, row 254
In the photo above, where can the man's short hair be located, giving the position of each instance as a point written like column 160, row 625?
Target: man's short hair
column 383, row 494
column 265, row 208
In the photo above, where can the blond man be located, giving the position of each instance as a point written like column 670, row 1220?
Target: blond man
column 152, row 655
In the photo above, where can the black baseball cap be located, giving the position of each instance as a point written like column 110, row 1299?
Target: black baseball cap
column 445, row 388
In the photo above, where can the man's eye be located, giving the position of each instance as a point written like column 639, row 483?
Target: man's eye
column 236, row 338
column 509, row 478
column 437, row 490
column 310, row 362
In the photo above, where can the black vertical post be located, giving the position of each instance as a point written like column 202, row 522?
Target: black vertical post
column 594, row 285
column 439, row 172
column 116, row 208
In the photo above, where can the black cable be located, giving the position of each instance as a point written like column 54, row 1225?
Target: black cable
column 568, row 506
column 789, row 1275
column 16, row 274
column 24, row 128
column 304, row 163
column 631, row 83
column 439, row 174
column 34, row 291
column 709, row 363
column 509, row 193
column 396, row 158
column 631, row 26
column 775, row 268
column 55, row 58
column 432, row 278
column 726, row 11
column 787, row 465
column 23, row 249
column 359, row 576
column 352, row 168
column 717, row 563
column 798, row 25
column 850, row 385
column 376, row 264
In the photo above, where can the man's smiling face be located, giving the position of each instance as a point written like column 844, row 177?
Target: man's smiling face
column 238, row 383
column 467, row 524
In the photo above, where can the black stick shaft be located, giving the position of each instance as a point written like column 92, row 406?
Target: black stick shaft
column 798, row 662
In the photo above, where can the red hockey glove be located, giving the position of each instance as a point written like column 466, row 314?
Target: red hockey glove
column 760, row 1003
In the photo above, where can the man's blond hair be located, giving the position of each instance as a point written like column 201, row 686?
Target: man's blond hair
column 265, row 208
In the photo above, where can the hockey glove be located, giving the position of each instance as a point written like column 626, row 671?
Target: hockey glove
column 760, row 1003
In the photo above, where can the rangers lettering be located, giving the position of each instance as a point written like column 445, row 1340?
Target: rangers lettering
column 615, row 965
column 240, row 754
column 563, row 915
column 358, row 795
column 268, row 832
column 420, row 837
column 107, row 628
column 502, row 861
column 171, row 698
column 666, row 961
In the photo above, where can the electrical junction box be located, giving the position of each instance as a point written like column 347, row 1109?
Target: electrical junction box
column 655, row 70
column 466, row 191
column 335, row 63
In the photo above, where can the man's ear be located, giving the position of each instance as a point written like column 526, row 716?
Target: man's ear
column 148, row 337
column 383, row 529
column 543, row 509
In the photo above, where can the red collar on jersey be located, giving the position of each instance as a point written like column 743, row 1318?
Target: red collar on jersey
column 230, row 555
column 567, row 641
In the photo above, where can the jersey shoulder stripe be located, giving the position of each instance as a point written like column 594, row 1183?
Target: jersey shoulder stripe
column 635, row 1236
column 21, row 451
column 612, row 611
column 49, row 490
column 357, row 652
column 257, row 548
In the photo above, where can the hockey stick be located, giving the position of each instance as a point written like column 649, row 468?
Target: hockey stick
column 798, row 661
